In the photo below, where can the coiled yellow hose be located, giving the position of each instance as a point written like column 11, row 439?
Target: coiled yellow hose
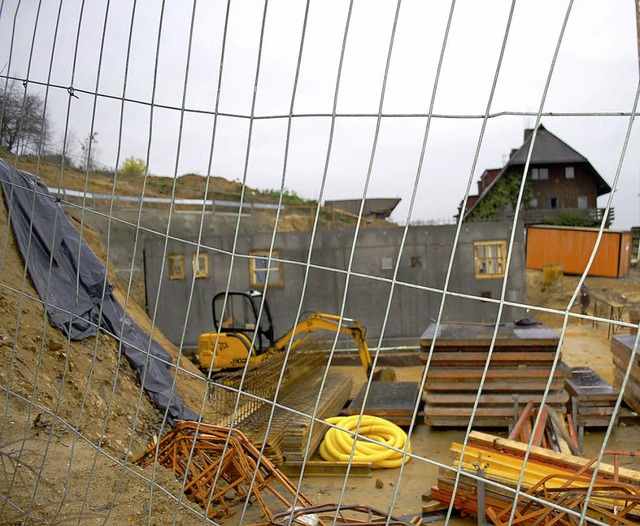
column 338, row 443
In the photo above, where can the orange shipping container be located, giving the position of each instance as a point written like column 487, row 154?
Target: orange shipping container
column 572, row 247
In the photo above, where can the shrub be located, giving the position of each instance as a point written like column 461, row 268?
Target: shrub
column 133, row 167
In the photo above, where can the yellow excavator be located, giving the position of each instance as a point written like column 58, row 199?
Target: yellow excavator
column 240, row 325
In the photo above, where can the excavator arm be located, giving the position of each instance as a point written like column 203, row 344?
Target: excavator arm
column 330, row 322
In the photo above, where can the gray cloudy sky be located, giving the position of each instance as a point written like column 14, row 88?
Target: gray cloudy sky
column 596, row 72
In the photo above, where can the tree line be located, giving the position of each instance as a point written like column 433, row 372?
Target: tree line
column 25, row 130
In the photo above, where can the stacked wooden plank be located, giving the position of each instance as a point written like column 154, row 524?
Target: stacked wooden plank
column 593, row 399
column 622, row 351
column 521, row 364
column 558, row 480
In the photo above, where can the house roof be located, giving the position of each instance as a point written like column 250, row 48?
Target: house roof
column 547, row 149
column 378, row 206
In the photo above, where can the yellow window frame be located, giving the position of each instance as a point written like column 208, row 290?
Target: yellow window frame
column 200, row 265
column 490, row 259
column 176, row 266
column 261, row 272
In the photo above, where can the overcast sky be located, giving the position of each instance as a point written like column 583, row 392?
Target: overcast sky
column 596, row 72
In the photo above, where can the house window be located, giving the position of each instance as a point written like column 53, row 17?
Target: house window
column 533, row 203
column 583, row 202
column 200, row 265
column 569, row 172
column 539, row 173
column 176, row 266
column 263, row 271
column 490, row 258
column 553, row 202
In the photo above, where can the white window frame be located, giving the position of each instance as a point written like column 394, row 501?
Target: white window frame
column 569, row 172
column 583, row 199
column 539, row 174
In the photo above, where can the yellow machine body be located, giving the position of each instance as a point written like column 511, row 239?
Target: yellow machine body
column 233, row 351
column 230, row 345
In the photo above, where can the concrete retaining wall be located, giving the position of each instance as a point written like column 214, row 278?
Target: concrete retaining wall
column 416, row 293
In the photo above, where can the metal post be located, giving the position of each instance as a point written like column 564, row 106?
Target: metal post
column 579, row 429
column 481, row 495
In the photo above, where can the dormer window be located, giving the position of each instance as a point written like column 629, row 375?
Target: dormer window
column 539, row 173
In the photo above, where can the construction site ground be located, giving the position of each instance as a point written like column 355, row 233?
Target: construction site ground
column 71, row 466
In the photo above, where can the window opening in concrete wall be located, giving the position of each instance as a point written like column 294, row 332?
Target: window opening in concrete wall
column 416, row 262
column 386, row 263
column 262, row 271
column 490, row 258
column 200, row 265
column 176, row 266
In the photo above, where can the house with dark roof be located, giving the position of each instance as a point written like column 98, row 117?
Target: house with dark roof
column 560, row 182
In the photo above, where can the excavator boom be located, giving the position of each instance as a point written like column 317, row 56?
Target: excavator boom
column 330, row 322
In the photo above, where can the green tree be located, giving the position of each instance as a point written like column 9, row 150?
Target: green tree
column 133, row 167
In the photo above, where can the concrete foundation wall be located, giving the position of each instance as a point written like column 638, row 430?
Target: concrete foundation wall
column 184, row 306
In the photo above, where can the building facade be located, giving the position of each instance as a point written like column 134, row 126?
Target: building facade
column 561, row 183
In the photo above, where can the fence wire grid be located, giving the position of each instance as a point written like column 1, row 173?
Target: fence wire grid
column 258, row 104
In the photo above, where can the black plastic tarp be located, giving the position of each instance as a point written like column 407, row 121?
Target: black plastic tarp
column 70, row 280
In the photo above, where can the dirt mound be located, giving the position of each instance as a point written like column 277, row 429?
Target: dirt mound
column 558, row 295
column 80, row 398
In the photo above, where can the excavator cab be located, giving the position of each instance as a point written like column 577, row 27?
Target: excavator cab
column 240, row 316
column 241, row 333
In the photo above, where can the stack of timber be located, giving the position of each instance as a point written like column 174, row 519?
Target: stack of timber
column 552, row 484
column 593, row 399
column 622, row 350
column 521, row 364
column 274, row 402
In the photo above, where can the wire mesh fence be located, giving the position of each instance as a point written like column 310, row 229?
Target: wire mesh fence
column 156, row 154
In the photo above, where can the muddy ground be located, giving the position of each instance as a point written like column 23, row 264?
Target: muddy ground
column 72, row 415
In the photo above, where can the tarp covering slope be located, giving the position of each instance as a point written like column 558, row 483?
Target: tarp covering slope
column 71, row 281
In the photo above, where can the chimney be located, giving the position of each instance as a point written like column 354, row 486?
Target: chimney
column 513, row 152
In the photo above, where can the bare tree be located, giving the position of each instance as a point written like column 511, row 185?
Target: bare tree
column 89, row 148
column 23, row 124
